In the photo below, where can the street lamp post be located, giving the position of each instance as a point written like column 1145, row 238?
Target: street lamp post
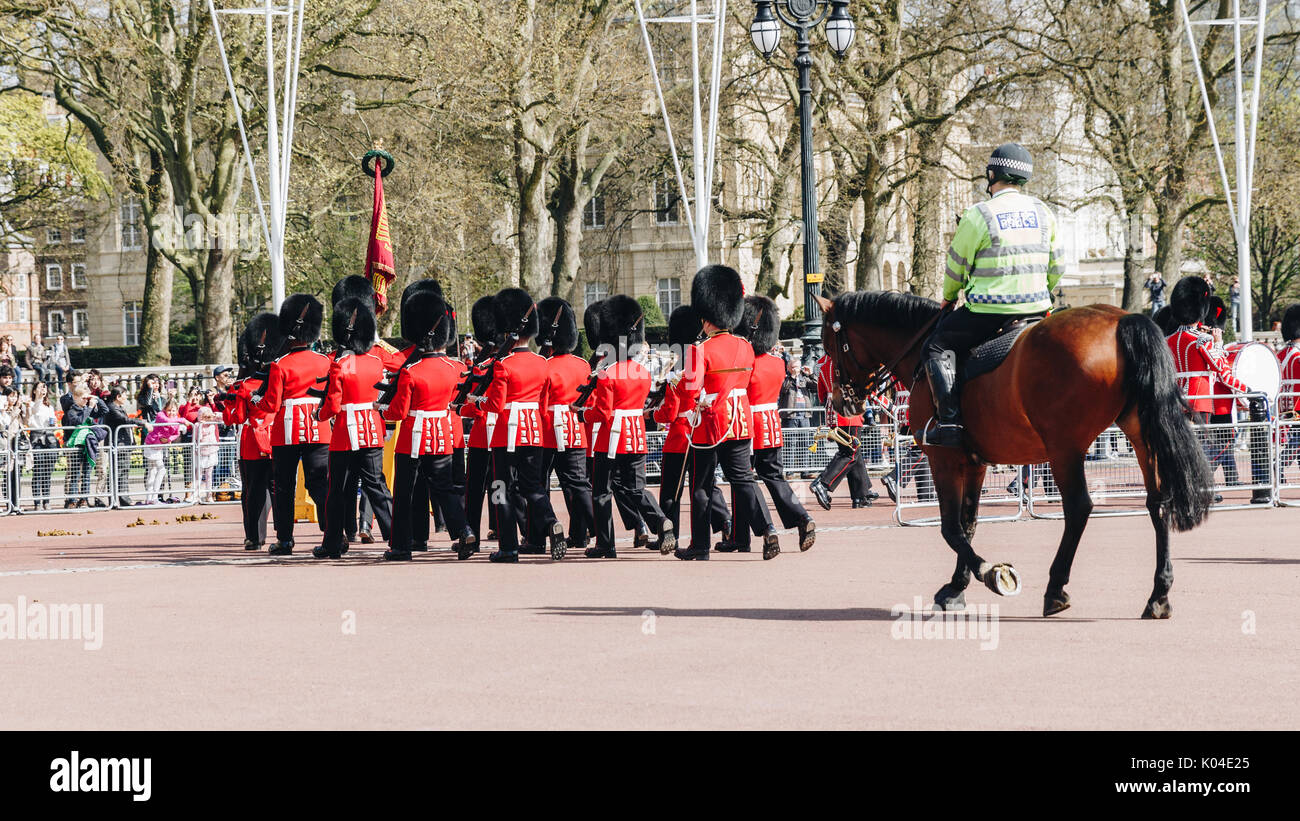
column 765, row 31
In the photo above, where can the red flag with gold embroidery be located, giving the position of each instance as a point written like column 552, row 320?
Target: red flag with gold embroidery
column 380, row 268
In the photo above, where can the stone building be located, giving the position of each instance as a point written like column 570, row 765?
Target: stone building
column 19, row 296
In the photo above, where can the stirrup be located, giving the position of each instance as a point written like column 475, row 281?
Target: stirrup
column 944, row 435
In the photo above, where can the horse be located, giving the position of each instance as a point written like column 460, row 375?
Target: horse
column 1065, row 380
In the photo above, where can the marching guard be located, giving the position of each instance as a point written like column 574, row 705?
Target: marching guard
column 478, row 456
column 512, row 415
column 848, row 457
column 718, row 388
column 564, row 436
column 618, row 407
column 761, row 325
column 296, row 433
column 357, row 445
column 259, row 342
column 684, row 331
column 420, row 490
column 423, row 394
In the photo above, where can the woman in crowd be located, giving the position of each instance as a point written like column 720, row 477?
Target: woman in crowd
column 9, row 356
column 150, row 398
column 40, row 420
column 120, row 427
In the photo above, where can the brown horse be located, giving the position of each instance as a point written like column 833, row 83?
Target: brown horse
column 1065, row 381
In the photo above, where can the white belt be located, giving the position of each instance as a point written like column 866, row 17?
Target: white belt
column 351, row 411
column 771, row 406
column 289, row 405
column 616, row 428
column 417, row 427
column 559, row 416
column 512, row 424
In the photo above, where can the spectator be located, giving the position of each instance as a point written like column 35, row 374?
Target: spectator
column 792, row 395
column 1156, row 287
column 95, row 382
column 40, row 420
column 1234, row 299
column 36, row 357
column 59, row 359
column 209, row 444
column 150, row 399
column 74, row 378
column 9, row 359
column 120, row 425
column 167, row 428
column 85, row 414
column 224, row 377
column 6, row 376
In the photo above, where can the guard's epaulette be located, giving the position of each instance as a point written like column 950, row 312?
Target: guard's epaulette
column 387, row 347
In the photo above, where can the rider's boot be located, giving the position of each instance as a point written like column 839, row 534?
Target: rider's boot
column 946, row 430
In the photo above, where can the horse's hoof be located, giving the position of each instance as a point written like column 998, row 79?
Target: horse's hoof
column 1001, row 578
column 949, row 599
column 1158, row 609
column 1054, row 603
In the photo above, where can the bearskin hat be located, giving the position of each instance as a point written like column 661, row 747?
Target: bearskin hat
column 353, row 325
column 483, row 316
column 718, row 296
column 516, row 312
column 419, row 285
column 761, row 323
column 431, row 286
column 1217, row 316
column 591, row 324
column 1291, row 323
column 355, row 286
column 558, row 325
column 426, row 320
column 1190, row 300
column 260, row 343
column 683, row 326
column 621, row 318
column 301, row 316
column 1164, row 319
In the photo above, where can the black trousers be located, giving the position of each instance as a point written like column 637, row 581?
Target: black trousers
column 631, row 516
column 570, row 466
column 368, row 465
column 621, row 476
column 519, row 473
column 767, row 464
column 478, row 469
column 847, row 462
column 672, row 481
column 315, row 474
column 430, row 477
column 255, row 496
column 747, row 504
column 963, row 329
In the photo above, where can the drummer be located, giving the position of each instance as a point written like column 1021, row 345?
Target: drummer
column 1222, row 411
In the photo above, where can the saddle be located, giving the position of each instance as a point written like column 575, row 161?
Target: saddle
column 988, row 355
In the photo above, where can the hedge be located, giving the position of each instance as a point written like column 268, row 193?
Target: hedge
column 126, row 356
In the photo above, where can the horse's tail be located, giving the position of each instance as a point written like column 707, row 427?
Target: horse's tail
column 1182, row 470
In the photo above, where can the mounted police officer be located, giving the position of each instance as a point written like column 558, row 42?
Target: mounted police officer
column 1006, row 259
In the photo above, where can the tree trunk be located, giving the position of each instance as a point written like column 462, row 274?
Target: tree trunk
column 156, row 312
column 216, row 342
column 1133, row 270
column 871, row 242
column 925, row 276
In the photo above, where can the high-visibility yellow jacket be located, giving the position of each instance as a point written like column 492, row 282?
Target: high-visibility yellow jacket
column 1005, row 256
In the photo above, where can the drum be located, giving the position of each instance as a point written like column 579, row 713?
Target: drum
column 1255, row 364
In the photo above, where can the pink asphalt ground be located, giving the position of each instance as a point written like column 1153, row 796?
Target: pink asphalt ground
column 198, row 634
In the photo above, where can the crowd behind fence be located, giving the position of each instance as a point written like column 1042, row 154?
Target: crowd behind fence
column 87, row 468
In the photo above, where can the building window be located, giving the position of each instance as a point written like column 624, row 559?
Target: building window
column 594, row 292
column 21, row 280
column 55, row 323
column 670, row 295
column 80, row 322
column 78, row 275
column 132, row 230
column 79, row 236
column 53, row 236
column 22, row 310
column 593, row 214
column 666, row 200
column 4, row 310
column 54, row 277
column 131, row 323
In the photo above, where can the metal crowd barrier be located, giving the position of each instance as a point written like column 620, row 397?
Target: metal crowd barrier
column 67, row 477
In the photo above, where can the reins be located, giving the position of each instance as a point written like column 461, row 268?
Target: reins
column 879, row 377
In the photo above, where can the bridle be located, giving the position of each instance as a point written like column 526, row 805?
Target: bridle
column 878, row 378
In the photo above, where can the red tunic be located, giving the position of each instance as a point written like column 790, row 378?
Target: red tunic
column 512, row 409
column 351, row 397
column 286, row 400
column 618, row 407
column 1195, row 362
column 457, row 370
column 720, row 379
column 764, row 393
column 1289, row 358
column 424, row 393
column 478, row 437
column 674, row 412
column 563, row 428
column 255, row 435
column 825, row 384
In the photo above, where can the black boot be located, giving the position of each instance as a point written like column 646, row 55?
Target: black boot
column 667, row 541
column 822, row 493
column 807, row 534
column 467, row 545
column 281, row 548
column 891, row 487
column 945, row 430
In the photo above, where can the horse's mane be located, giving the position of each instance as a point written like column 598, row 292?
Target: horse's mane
column 885, row 309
